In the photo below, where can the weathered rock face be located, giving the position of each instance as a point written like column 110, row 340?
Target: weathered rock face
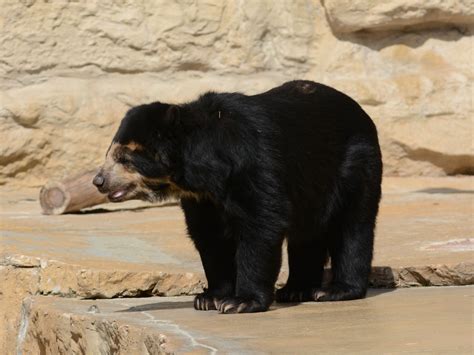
column 47, row 330
column 16, row 283
column 130, row 37
column 70, row 70
column 351, row 16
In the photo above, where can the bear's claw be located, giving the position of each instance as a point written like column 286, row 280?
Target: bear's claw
column 204, row 302
column 231, row 305
column 289, row 295
column 338, row 293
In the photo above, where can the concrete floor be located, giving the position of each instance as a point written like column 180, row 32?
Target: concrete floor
column 417, row 320
column 422, row 221
column 425, row 236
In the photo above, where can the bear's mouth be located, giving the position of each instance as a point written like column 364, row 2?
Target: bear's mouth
column 120, row 194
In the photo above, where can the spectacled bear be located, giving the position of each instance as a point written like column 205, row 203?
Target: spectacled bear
column 301, row 161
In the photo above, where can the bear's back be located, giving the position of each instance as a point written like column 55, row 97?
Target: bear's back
column 315, row 122
column 320, row 132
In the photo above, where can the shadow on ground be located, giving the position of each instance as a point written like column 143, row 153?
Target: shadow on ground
column 127, row 209
column 444, row 190
column 161, row 306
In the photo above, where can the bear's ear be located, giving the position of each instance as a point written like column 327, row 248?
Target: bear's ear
column 172, row 116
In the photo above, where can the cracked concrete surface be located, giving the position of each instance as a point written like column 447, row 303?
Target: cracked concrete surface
column 425, row 237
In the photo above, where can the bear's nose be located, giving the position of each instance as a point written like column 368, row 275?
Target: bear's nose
column 98, row 180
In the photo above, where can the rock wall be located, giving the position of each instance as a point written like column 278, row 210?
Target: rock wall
column 69, row 70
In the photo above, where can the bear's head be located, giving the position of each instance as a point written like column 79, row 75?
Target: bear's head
column 142, row 156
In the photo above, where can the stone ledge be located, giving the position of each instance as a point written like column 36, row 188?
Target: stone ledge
column 67, row 280
column 429, row 275
column 347, row 16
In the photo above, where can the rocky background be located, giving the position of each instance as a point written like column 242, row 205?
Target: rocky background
column 70, row 69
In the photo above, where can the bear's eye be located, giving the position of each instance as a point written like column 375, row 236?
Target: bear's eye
column 162, row 159
column 124, row 159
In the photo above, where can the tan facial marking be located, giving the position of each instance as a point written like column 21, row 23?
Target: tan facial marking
column 116, row 169
column 134, row 146
column 122, row 175
column 174, row 189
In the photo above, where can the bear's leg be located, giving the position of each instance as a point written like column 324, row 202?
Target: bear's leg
column 351, row 237
column 351, row 256
column 306, row 261
column 258, row 261
column 217, row 253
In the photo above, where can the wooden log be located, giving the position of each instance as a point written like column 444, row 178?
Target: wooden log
column 72, row 194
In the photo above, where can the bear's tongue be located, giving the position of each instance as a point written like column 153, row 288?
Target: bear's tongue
column 119, row 193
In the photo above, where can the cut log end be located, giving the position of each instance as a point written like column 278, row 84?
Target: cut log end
column 70, row 195
column 54, row 198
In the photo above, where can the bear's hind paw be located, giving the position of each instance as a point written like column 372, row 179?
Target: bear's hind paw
column 338, row 293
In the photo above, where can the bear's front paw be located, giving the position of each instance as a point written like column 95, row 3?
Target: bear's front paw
column 239, row 305
column 204, row 302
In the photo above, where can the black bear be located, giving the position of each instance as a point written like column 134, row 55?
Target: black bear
column 301, row 161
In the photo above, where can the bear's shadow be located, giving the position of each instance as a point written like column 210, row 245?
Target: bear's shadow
column 159, row 306
column 125, row 209
column 162, row 306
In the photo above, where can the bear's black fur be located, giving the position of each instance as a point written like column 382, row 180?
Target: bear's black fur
column 300, row 161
